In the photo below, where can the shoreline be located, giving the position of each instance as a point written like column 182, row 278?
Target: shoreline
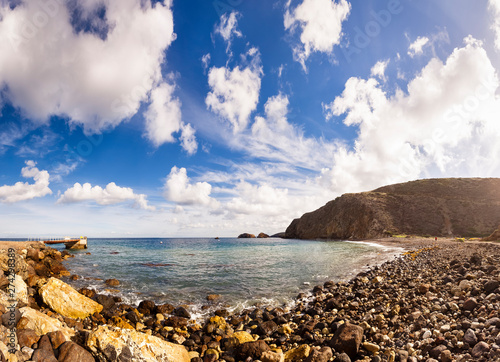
column 313, row 326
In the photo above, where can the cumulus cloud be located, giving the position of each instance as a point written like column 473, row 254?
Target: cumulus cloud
column 416, row 48
column 188, row 139
column 164, row 118
column 70, row 60
column 494, row 6
column 320, row 24
column 110, row 195
column 228, row 28
column 378, row 70
column 258, row 199
column 444, row 124
column 178, row 189
column 235, row 92
column 25, row 191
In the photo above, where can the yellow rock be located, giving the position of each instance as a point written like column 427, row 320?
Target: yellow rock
column 371, row 347
column 297, row 354
column 219, row 322
column 142, row 347
column 285, row 329
column 41, row 323
column 212, row 351
column 21, row 289
column 243, row 337
column 193, row 354
column 120, row 323
column 377, row 279
column 272, row 357
column 66, row 301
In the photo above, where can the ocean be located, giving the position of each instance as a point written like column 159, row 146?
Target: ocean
column 245, row 272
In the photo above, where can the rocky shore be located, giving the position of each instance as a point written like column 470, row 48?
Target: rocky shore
column 440, row 301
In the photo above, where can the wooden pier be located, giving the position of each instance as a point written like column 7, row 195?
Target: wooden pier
column 70, row 243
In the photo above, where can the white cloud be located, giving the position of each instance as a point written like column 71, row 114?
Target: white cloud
column 378, row 70
column 258, row 199
column 24, row 191
column 96, row 78
column 494, row 6
column 228, row 28
column 235, row 92
column 163, row 117
column 178, row 189
column 416, row 48
column 188, row 139
column 320, row 23
column 205, row 61
column 445, row 125
column 110, row 195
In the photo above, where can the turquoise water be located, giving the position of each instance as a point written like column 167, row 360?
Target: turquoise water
column 244, row 271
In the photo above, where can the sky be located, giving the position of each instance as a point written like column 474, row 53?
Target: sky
column 139, row 118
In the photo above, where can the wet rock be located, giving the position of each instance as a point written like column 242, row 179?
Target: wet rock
column 89, row 293
column 146, row 307
column 182, row 312
column 212, row 297
column 106, row 301
column 164, row 308
column 66, row 301
column 115, row 344
column 347, row 339
column 112, row 282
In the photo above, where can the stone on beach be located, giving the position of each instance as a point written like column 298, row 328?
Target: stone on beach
column 42, row 323
column 66, row 301
column 115, row 344
column 347, row 339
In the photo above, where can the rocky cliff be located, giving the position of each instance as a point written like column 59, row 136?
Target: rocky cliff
column 438, row 207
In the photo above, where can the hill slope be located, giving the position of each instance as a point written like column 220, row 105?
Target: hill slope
column 437, row 207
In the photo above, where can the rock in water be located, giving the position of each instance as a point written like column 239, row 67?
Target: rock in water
column 66, row 301
column 347, row 339
column 115, row 344
column 468, row 207
column 246, row 236
column 262, row 236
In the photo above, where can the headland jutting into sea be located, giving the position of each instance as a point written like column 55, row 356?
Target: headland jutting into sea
column 439, row 301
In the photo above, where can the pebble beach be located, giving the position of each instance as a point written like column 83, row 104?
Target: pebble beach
column 438, row 301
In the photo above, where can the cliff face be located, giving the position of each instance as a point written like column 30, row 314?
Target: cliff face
column 437, row 207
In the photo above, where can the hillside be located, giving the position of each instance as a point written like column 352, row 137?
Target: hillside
column 438, row 207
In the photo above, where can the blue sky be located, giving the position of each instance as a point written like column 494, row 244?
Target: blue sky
column 212, row 118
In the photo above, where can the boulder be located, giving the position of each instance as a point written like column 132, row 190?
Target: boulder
column 21, row 268
column 66, row 301
column 115, row 344
column 298, row 354
column 43, row 355
column 246, row 236
column 252, row 349
column 70, row 351
column 42, row 323
column 112, row 282
column 21, row 289
column 27, row 337
column 347, row 339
